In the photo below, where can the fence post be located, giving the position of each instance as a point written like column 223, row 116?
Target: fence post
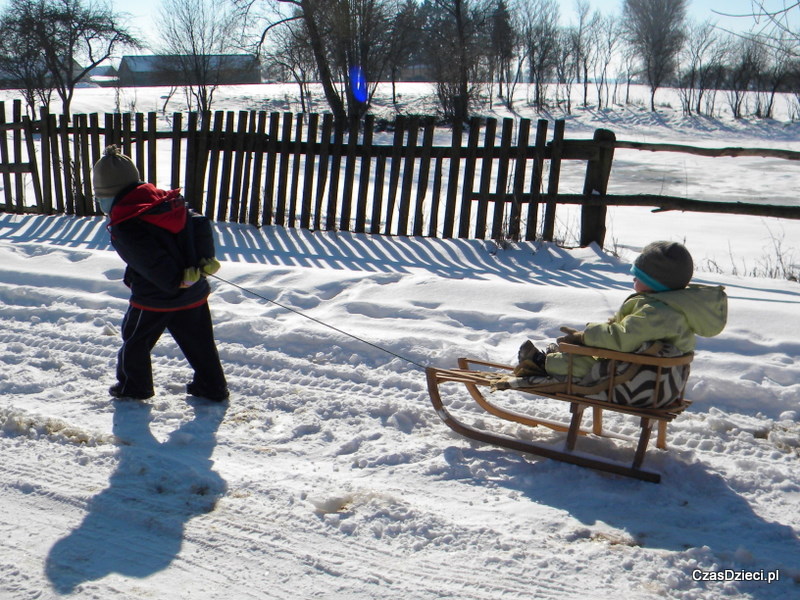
column 364, row 174
column 152, row 148
column 47, row 188
column 500, row 229
column 67, row 165
column 452, row 181
column 536, row 179
column 598, row 171
column 56, row 163
column 394, row 172
column 549, row 227
column 19, row 180
column 487, row 162
column 424, row 172
column 520, row 160
column 177, row 138
column 237, row 199
column 31, row 148
column 306, row 205
column 5, row 158
column 408, row 176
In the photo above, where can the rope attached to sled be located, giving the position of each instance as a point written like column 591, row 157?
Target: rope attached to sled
column 319, row 322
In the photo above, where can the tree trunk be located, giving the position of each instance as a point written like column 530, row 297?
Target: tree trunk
column 326, row 77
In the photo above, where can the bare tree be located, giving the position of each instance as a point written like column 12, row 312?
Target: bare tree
column 196, row 35
column 606, row 43
column 698, row 54
column 582, row 35
column 743, row 71
column 343, row 35
column 540, row 36
column 566, row 68
column 629, row 69
column 292, row 54
column 775, row 75
column 656, row 29
column 22, row 63
column 403, row 40
column 773, row 21
column 775, row 30
column 455, row 43
column 502, row 43
column 73, row 37
column 510, row 51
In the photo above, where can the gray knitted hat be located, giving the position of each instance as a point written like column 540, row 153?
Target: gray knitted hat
column 113, row 172
column 664, row 266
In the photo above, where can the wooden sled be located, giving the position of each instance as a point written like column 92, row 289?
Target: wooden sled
column 570, row 393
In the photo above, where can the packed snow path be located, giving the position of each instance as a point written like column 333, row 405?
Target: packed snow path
column 329, row 475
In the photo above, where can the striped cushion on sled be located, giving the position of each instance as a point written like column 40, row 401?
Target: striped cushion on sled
column 637, row 390
column 634, row 384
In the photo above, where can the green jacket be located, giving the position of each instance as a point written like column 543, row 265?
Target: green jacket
column 673, row 317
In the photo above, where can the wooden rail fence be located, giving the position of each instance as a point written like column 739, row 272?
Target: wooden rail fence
column 309, row 171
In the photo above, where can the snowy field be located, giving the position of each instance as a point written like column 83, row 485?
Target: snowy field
column 329, row 475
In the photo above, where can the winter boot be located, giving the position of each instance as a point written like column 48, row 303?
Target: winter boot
column 118, row 391
column 194, row 389
column 531, row 361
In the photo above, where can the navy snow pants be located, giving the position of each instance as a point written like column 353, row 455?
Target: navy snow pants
column 191, row 329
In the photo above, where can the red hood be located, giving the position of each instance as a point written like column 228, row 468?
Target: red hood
column 136, row 203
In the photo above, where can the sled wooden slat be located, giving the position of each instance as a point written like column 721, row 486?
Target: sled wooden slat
column 487, row 373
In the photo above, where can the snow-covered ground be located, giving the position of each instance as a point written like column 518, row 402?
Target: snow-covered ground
column 329, row 475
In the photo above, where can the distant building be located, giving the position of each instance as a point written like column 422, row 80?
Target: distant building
column 10, row 80
column 104, row 76
column 229, row 69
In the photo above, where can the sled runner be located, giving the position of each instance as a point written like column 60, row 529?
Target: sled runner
column 623, row 369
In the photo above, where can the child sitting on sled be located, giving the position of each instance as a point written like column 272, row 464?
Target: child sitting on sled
column 665, row 309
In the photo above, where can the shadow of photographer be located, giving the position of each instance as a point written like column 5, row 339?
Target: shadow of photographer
column 135, row 526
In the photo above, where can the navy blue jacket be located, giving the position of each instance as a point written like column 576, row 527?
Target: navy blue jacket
column 158, row 236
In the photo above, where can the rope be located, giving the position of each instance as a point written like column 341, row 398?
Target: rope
column 315, row 320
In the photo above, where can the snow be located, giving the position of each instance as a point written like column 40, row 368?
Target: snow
column 329, row 475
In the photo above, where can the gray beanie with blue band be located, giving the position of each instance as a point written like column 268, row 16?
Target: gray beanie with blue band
column 664, row 266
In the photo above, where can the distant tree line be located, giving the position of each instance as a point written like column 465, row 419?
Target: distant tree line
column 476, row 50
column 473, row 51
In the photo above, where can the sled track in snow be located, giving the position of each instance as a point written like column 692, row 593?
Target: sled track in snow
column 260, row 511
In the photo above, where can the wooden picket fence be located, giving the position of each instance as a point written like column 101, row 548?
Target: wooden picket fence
column 311, row 172
column 303, row 170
